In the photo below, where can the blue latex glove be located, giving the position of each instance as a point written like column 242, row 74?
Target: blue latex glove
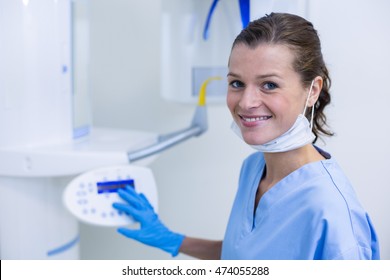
column 152, row 231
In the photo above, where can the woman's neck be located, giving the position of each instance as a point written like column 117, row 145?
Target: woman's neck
column 279, row 165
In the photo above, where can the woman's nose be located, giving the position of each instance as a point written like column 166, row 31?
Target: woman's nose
column 251, row 98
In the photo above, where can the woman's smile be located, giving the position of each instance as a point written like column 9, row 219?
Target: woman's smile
column 253, row 121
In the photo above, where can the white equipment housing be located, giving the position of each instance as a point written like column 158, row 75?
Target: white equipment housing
column 42, row 147
column 38, row 155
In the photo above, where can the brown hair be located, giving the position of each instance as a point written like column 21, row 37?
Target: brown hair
column 300, row 36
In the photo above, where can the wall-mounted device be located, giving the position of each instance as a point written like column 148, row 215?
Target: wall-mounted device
column 201, row 34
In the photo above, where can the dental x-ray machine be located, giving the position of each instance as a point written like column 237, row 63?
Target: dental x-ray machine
column 41, row 149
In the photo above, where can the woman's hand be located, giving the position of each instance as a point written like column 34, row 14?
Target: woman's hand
column 152, row 231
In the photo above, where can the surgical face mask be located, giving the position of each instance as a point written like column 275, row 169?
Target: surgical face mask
column 297, row 136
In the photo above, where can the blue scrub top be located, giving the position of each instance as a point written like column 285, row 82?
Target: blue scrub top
column 313, row 213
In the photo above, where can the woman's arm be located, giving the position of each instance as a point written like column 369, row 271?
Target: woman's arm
column 201, row 248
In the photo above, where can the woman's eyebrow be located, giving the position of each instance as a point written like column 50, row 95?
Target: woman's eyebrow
column 268, row 75
column 232, row 74
column 263, row 76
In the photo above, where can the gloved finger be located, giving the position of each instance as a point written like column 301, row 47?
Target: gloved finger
column 131, row 197
column 145, row 202
column 130, row 233
column 136, row 214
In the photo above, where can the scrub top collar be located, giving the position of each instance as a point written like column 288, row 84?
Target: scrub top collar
column 280, row 189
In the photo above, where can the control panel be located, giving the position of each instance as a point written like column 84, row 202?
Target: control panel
column 90, row 195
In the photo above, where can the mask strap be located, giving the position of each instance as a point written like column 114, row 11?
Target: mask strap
column 307, row 101
column 312, row 117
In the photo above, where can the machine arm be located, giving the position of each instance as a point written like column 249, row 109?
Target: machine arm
column 198, row 127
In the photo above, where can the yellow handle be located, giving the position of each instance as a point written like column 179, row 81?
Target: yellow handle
column 202, row 91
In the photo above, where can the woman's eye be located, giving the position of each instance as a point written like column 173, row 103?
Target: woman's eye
column 236, row 84
column 270, row 86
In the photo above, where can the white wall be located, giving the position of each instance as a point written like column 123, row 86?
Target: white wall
column 197, row 180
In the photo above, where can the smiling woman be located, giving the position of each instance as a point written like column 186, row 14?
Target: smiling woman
column 293, row 200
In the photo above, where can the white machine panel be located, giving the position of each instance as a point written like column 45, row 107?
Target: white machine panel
column 90, row 195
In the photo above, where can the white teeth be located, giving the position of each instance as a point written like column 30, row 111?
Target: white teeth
column 256, row 119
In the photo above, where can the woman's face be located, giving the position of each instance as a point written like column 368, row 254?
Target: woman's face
column 265, row 94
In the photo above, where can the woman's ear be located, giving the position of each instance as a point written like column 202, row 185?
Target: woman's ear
column 315, row 91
